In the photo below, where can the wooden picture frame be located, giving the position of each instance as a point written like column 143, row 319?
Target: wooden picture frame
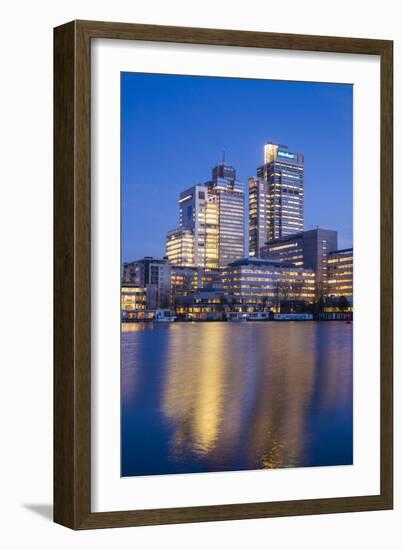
column 72, row 270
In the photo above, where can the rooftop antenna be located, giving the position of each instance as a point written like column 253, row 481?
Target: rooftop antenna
column 223, row 156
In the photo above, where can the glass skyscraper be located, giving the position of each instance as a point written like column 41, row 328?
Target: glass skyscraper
column 229, row 197
column 212, row 217
column 276, row 197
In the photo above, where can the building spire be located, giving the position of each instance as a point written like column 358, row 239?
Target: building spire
column 223, row 156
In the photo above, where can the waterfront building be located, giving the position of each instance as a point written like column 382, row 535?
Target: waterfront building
column 211, row 219
column 136, row 301
column 340, row 275
column 185, row 280
column 250, row 286
column 214, row 304
column 278, row 195
column 269, row 282
column 133, row 297
column 309, row 249
column 205, row 304
column 150, row 273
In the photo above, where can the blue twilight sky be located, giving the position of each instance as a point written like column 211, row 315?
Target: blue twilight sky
column 174, row 130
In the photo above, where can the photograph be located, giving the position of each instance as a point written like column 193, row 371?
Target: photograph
column 236, row 299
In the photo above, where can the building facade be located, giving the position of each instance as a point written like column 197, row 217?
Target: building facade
column 258, row 216
column 184, row 280
column 205, row 304
column 180, row 247
column 136, row 301
column 217, row 305
column 229, row 196
column 198, row 213
column 150, row 273
column 270, row 282
column 280, row 198
column 340, row 275
column 211, row 219
column 133, row 298
column 308, row 249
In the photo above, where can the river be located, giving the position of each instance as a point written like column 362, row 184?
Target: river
column 219, row 396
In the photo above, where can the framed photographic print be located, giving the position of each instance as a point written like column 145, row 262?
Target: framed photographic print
column 223, row 275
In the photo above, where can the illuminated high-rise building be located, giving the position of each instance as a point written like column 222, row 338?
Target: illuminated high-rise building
column 198, row 217
column 278, row 195
column 229, row 197
column 258, row 215
column 211, row 218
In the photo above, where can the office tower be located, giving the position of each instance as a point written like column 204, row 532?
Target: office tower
column 258, row 214
column 309, row 249
column 213, row 215
column 229, row 197
column 281, row 200
column 198, row 213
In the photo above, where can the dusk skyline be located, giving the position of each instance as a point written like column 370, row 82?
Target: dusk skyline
column 237, row 276
column 175, row 128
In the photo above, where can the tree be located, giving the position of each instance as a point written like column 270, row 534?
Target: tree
column 320, row 295
column 288, row 295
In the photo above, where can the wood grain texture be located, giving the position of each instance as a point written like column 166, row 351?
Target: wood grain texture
column 72, row 324
column 64, row 377
column 387, row 273
column 72, row 274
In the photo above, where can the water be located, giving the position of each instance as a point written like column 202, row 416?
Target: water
column 203, row 397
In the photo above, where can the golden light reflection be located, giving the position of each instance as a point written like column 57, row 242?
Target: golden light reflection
column 135, row 327
column 242, row 395
column 194, row 389
column 284, row 392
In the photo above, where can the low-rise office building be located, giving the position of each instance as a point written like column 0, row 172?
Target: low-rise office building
column 185, row 280
column 214, row 304
column 136, row 302
column 204, row 304
column 268, row 283
column 340, row 275
column 150, row 272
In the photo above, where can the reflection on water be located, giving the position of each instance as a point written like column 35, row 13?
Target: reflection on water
column 200, row 397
